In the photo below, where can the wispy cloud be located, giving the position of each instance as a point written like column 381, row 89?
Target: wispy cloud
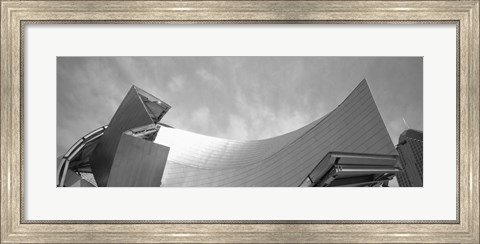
column 237, row 128
column 235, row 97
column 201, row 119
column 176, row 84
column 209, row 78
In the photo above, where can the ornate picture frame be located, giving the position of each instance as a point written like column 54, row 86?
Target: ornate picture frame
column 15, row 14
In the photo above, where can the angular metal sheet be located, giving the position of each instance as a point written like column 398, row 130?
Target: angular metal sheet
column 196, row 160
column 138, row 163
column 130, row 114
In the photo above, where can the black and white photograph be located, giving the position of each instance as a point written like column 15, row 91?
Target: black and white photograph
column 239, row 121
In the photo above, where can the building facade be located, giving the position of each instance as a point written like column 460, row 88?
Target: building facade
column 350, row 146
column 410, row 150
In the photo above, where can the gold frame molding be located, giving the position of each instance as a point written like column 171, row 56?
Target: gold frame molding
column 15, row 14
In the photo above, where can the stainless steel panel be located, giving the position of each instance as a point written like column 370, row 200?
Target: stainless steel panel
column 197, row 160
column 130, row 114
column 138, row 163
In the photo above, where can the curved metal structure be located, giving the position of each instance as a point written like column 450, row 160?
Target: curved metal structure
column 136, row 150
column 79, row 154
column 355, row 126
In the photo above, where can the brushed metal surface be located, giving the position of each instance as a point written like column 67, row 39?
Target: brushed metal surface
column 137, row 163
column 130, row 114
column 284, row 161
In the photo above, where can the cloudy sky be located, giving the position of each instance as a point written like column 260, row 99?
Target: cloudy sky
column 235, row 97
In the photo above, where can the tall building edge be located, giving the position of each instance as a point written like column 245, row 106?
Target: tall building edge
column 410, row 150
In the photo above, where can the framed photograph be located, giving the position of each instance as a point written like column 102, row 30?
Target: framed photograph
column 239, row 121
